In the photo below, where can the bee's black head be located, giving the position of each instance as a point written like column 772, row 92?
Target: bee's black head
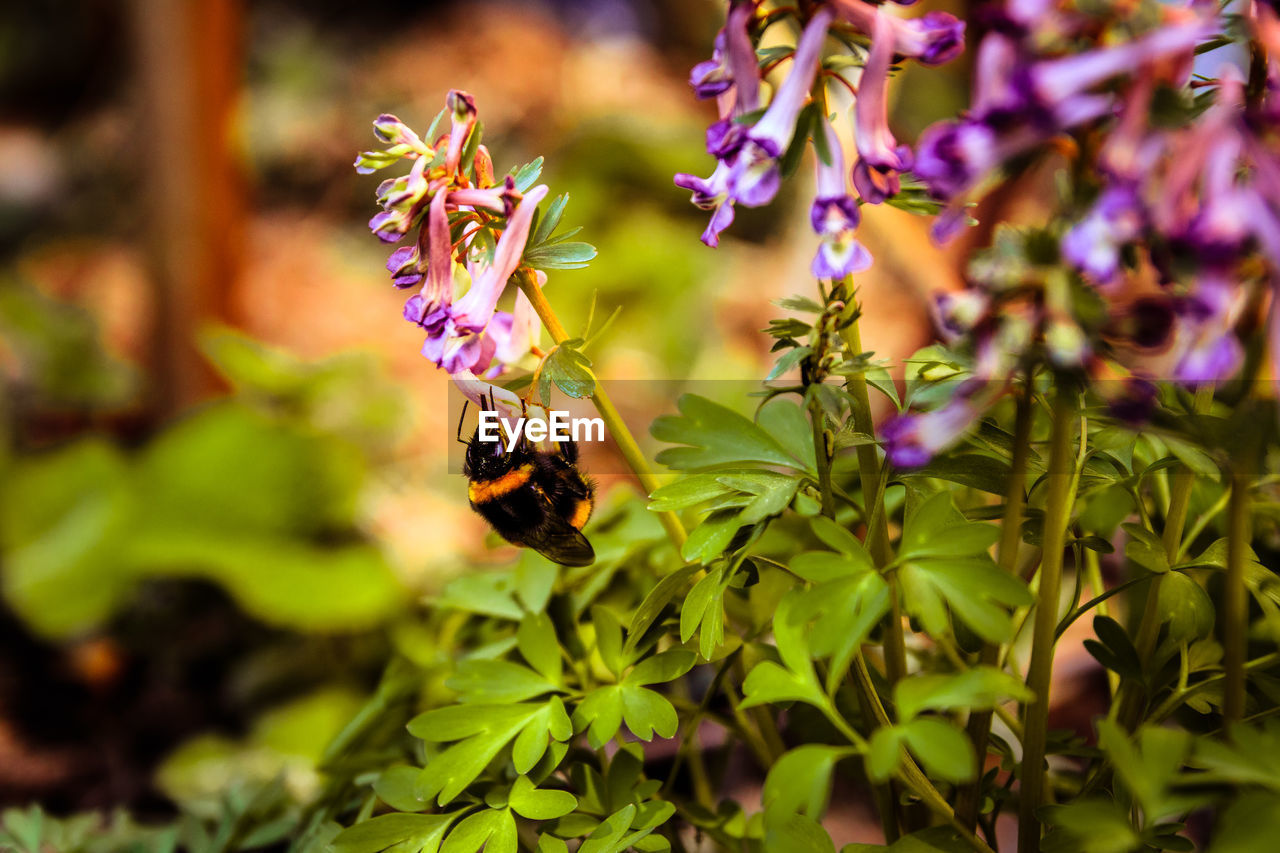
column 488, row 460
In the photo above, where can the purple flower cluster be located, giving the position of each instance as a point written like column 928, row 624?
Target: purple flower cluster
column 439, row 197
column 748, row 143
column 1181, row 221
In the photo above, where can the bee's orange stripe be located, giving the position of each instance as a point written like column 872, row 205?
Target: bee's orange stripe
column 581, row 513
column 482, row 491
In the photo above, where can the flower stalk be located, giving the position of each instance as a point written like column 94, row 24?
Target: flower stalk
column 895, row 654
column 969, row 800
column 613, row 421
column 1036, row 713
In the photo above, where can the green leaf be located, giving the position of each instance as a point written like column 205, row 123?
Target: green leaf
column 607, row 836
column 1249, row 824
column 421, row 831
column 846, row 610
column 486, row 729
column 486, row 594
column 656, row 601
column 975, row 470
column 703, row 607
column 549, row 724
column 977, row 590
column 1113, row 649
column 693, row 489
column 787, row 424
column 547, row 224
column 609, row 638
column 647, row 713
column 980, row 688
column 662, row 667
column 796, row 833
column 1247, row 758
column 1089, row 826
column 1186, row 607
column 884, row 752
column 600, row 712
column 569, row 370
column 1150, row 767
column 1200, row 463
column 395, row 788
column 551, row 844
column 527, row 175
column 497, row 682
column 716, row 436
column 534, row 804
column 798, row 302
column 800, row 781
column 711, row 537
column 937, row 529
column 944, row 750
column 492, row 829
column 788, row 361
column 839, row 538
column 770, row 683
column 560, row 256
column 537, row 643
column 772, row 493
column 534, row 581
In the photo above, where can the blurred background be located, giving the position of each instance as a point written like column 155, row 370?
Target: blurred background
column 223, row 469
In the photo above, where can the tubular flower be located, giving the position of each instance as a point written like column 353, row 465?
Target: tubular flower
column 446, row 193
column 880, row 157
column 1185, row 214
column 835, row 218
column 749, row 154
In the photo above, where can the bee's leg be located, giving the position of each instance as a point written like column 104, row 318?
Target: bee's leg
column 569, row 450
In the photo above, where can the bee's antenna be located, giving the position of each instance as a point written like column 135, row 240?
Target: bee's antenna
column 461, row 418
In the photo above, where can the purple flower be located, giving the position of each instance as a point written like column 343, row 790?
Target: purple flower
column 1093, row 244
column 957, row 312
column 475, row 308
column 1060, row 83
column 500, row 200
column 462, row 106
column 835, row 218
column 711, row 194
column 952, row 155
column 403, row 266
column 711, row 77
column 458, row 334
column 912, row 439
column 1213, row 359
column 754, row 176
column 880, row 157
column 733, row 62
column 933, row 38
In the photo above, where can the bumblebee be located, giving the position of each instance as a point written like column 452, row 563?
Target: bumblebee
column 534, row 498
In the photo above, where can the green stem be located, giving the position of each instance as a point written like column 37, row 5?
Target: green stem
column 1235, row 602
column 818, row 419
column 1057, row 518
column 627, row 445
column 969, row 800
column 913, row 778
column 895, row 648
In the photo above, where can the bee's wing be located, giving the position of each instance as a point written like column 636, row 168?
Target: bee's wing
column 559, row 541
